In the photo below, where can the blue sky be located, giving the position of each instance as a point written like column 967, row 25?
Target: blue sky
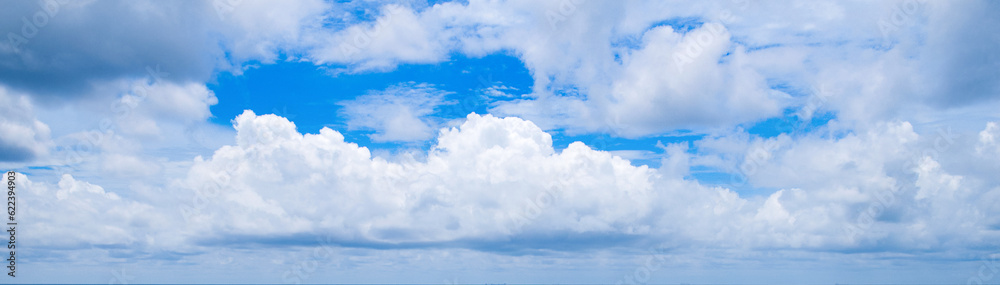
column 476, row 142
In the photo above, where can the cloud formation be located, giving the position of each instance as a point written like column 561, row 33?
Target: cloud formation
column 24, row 136
column 497, row 185
column 110, row 120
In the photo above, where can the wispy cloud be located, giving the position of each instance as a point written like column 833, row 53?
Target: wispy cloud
column 400, row 113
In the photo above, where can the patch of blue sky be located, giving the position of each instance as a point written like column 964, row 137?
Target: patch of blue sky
column 632, row 42
column 753, row 48
column 735, row 181
column 33, row 170
column 681, row 24
column 787, row 87
column 789, row 124
column 640, row 151
column 307, row 94
column 570, row 91
column 346, row 13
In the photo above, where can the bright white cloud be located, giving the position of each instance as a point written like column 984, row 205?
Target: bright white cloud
column 399, row 34
column 476, row 183
column 676, row 80
column 493, row 180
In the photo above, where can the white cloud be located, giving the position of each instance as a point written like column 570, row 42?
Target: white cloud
column 593, row 63
column 671, row 81
column 676, row 81
column 399, row 34
column 399, row 113
column 496, row 178
column 569, row 45
column 878, row 62
column 989, row 139
column 476, row 179
column 264, row 30
column 493, row 181
column 884, row 187
column 126, row 131
column 497, row 184
column 146, row 108
column 72, row 214
column 129, row 165
column 190, row 41
column 22, row 136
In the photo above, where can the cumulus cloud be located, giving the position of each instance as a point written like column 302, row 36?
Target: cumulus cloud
column 887, row 187
column 675, row 80
column 493, row 180
column 497, row 185
column 477, row 183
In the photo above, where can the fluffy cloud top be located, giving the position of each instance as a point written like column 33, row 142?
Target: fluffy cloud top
column 493, row 181
column 482, row 181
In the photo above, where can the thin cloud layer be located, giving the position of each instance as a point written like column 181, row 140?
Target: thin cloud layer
column 399, row 114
